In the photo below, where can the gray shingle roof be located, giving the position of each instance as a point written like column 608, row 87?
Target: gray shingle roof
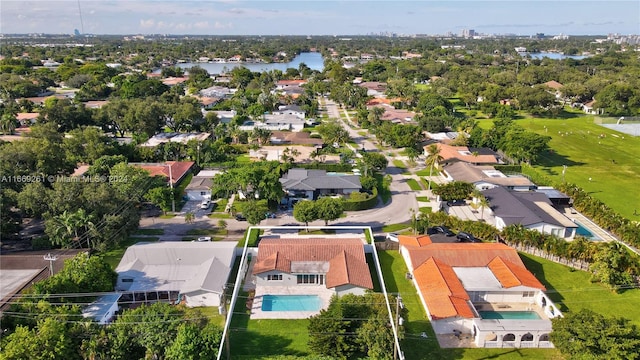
column 309, row 180
column 519, row 207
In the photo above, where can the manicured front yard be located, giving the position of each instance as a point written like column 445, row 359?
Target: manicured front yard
column 413, row 184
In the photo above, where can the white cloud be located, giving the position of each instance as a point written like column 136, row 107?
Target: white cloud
column 147, row 23
column 201, row 25
column 219, row 25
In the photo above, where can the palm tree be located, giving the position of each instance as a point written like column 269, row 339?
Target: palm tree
column 433, row 159
column 8, row 123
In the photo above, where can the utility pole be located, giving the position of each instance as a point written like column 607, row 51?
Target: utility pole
column 51, row 259
column 173, row 195
column 397, row 321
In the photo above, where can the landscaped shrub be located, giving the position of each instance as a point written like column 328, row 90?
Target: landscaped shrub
column 508, row 168
column 362, row 204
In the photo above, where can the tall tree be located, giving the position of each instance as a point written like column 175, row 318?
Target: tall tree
column 433, row 159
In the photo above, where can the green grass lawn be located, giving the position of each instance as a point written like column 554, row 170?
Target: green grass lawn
column 572, row 290
column 416, row 347
column 220, row 216
column 414, row 185
column 113, row 256
column 167, row 216
column 399, row 164
column 210, row 231
column 395, row 227
column 594, row 152
column 256, row 339
column 425, row 172
column 422, row 198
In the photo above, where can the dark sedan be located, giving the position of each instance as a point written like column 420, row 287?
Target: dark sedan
column 466, row 237
column 443, row 230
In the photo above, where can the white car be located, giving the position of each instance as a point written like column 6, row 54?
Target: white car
column 392, row 236
column 205, row 204
column 204, row 239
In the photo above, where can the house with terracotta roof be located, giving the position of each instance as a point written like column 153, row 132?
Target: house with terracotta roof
column 485, row 177
column 533, row 210
column 451, row 154
column 27, row 118
column 311, row 266
column 479, row 290
column 173, row 171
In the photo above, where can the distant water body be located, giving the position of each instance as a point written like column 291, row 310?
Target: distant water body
column 553, row 56
column 313, row 60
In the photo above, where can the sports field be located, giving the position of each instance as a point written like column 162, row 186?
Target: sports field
column 604, row 162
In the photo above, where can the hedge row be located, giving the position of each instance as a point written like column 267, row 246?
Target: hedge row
column 327, row 167
column 356, row 205
column 508, row 168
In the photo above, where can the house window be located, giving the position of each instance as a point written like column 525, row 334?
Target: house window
column 528, row 294
column 310, row 279
column 276, row 277
column 127, row 280
column 203, row 193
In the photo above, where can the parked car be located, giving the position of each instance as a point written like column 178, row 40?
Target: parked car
column 443, row 230
column 204, row 238
column 205, row 204
column 392, row 237
column 240, row 217
column 459, row 202
column 466, row 237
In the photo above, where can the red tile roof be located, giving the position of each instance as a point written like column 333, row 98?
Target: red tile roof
column 463, row 153
column 346, row 258
column 510, row 274
column 464, row 254
column 410, row 240
column 442, row 291
column 439, row 285
column 554, row 84
column 178, row 169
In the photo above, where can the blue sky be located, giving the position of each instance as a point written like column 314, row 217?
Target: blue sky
column 319, row 17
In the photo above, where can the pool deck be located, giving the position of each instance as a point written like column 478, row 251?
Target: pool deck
column 256, row 304
column 589, row 225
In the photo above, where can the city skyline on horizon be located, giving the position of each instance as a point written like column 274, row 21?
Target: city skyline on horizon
column 232, row 17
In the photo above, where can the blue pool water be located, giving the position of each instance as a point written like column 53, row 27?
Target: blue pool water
column 583, row 231
column 290, row 303
column 509, row 315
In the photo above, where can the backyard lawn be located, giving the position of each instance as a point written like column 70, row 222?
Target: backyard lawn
column 572, row 290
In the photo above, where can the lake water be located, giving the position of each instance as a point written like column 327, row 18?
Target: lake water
column 313, row 60
column 553, row 56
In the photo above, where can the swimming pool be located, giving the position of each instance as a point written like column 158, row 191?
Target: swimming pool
column 290, row 303
column 509, row 315
column 583, row 231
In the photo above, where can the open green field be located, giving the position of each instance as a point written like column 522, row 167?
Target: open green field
column 609, row 158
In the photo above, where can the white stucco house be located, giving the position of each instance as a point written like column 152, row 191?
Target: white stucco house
column 481, row 291
column 200, row 186
column 485, row 177
column 531, row 209
column 196, row 271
